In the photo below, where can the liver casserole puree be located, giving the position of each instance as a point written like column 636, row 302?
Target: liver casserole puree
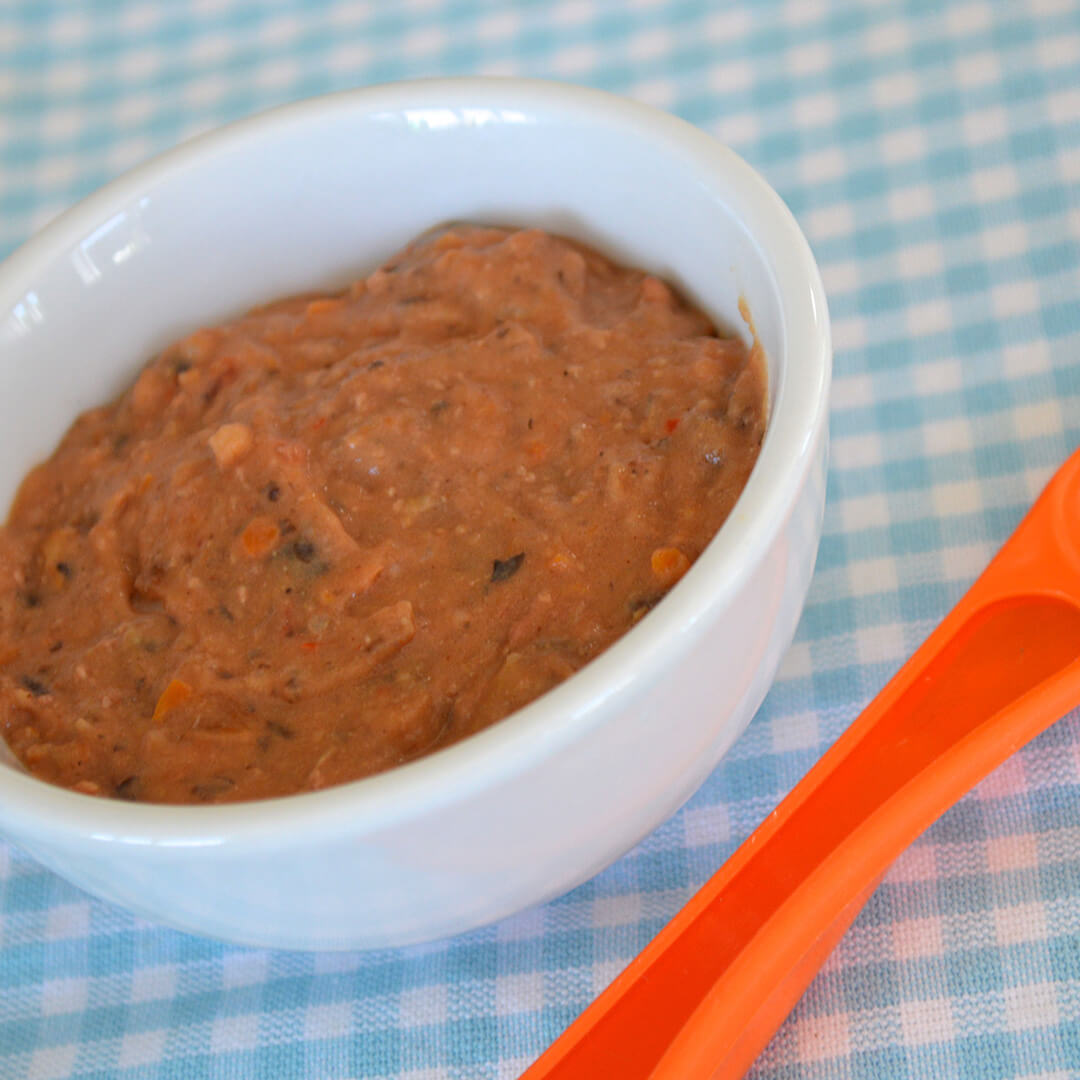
column 342, row 531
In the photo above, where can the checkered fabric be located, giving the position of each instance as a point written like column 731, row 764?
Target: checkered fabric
column 932, row 154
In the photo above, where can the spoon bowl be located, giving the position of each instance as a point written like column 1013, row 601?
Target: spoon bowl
column 707, row 994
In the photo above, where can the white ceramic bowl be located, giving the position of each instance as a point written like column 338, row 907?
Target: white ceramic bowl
column 316, row 193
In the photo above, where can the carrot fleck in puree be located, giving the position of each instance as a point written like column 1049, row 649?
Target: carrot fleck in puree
column 342, row 531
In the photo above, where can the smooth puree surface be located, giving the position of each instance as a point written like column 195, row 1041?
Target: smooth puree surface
column 342, row 531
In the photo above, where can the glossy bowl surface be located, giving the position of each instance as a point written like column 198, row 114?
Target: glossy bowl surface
column 314, row 194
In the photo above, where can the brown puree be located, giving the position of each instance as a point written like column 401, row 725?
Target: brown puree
column 339, row 532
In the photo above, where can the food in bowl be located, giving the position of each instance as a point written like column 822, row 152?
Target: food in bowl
column 343, row 530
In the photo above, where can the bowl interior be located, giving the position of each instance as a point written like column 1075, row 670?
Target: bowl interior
column 315, row 194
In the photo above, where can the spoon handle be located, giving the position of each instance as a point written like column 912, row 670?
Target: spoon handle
column 707, row 994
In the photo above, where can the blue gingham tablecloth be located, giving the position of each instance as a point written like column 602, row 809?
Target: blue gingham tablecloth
column 932, row 154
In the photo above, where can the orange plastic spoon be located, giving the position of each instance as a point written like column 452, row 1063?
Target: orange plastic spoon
column 708, row 993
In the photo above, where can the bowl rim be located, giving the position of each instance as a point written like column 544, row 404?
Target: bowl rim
column 518, row 742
